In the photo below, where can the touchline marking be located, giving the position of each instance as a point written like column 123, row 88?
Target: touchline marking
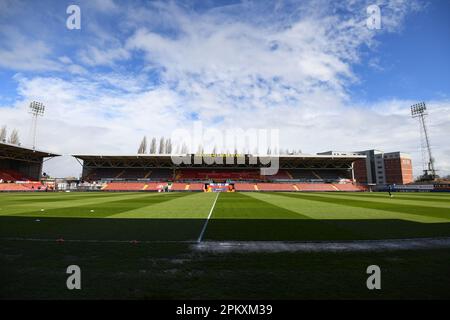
column 200, row 237
column 323, row 246
column 97, row 241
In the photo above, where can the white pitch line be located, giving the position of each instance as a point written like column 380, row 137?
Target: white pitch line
column 323, row 246
column 200, row 237
column 96, row 241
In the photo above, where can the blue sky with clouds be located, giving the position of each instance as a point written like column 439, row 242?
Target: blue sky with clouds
column 411, row 63
column 311, row 69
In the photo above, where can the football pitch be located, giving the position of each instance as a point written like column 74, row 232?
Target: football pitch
column 224, row 216
column 142, row 245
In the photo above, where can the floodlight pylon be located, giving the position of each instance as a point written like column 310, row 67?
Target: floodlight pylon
column 419, row 111
column 36, row 109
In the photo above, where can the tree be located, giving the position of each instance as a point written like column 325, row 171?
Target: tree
column 168, row 146
column 184, row 148
column 275, row 151
column 143, row 147
column 3, row 134
column 14, row 137
column 162, row 146
column 153, row 146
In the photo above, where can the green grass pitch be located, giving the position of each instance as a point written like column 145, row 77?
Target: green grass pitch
column 235, row 216
column 99, row 229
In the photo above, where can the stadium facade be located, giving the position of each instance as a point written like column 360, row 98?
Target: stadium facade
column 20, row 164
column 380, row 168
column 326, row 171
column 236, row 172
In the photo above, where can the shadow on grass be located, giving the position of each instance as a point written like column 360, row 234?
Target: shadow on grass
column 217, row 229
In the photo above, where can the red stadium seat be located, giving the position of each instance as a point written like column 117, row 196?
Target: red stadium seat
column 179, row 186
column 316, row 187
column 217, row 174
column 13, row 175
column 349, row 187
column 124, row 186
column 275, row 187
column 13, row 187
column 244, row 186
column 196, row 187
column 28, row 186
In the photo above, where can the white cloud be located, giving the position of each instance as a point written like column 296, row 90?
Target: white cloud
column 103, row 6
column 81, row 117
column 93, row 56
column 22, row 53
column 287, row 71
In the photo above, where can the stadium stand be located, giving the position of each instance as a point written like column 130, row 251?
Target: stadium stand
column 192, row 175
column 21, row 168
column 155, row 172
column 180, row 186
column 331, row 174
column 151, row 186
column 275, row 187
column 245, row 187
column 350, row 187
column 300, row 174
column 280, row 175
column 254, row 175
column 104, row 174
column 12, row 187
column 216, row 174
column 124, row 186
column 162, row 174
column 196, row 187
column 13, row 175
column 316, row 187
column 129, row 174
column 135, row 173
column 30, row 186
column 319, row 175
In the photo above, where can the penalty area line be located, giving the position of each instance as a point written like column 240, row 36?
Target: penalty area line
column 200, row 237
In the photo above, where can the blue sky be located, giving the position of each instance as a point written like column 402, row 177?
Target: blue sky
column 311, row 69
column 414, row 61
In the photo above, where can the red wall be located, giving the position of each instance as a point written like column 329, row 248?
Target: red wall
column 398, row 171
column 360, row 171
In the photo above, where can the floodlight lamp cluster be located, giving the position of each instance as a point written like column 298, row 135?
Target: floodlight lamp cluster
column 37, row 108
column 418, row 109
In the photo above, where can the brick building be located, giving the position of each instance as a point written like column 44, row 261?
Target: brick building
column 398, row 168
column 379, row 167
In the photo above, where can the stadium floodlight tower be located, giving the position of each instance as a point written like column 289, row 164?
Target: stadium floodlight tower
column 419, row 111
column 36, row 109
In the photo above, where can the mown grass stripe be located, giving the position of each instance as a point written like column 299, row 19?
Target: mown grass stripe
column 239, row 216
column 30, row 199
column 398, row 195
column 243, row 206
column 443, row 213
column 82, row 208
column 390, row 200
column 186, row 205
column 200, row 237
column 324, row 210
